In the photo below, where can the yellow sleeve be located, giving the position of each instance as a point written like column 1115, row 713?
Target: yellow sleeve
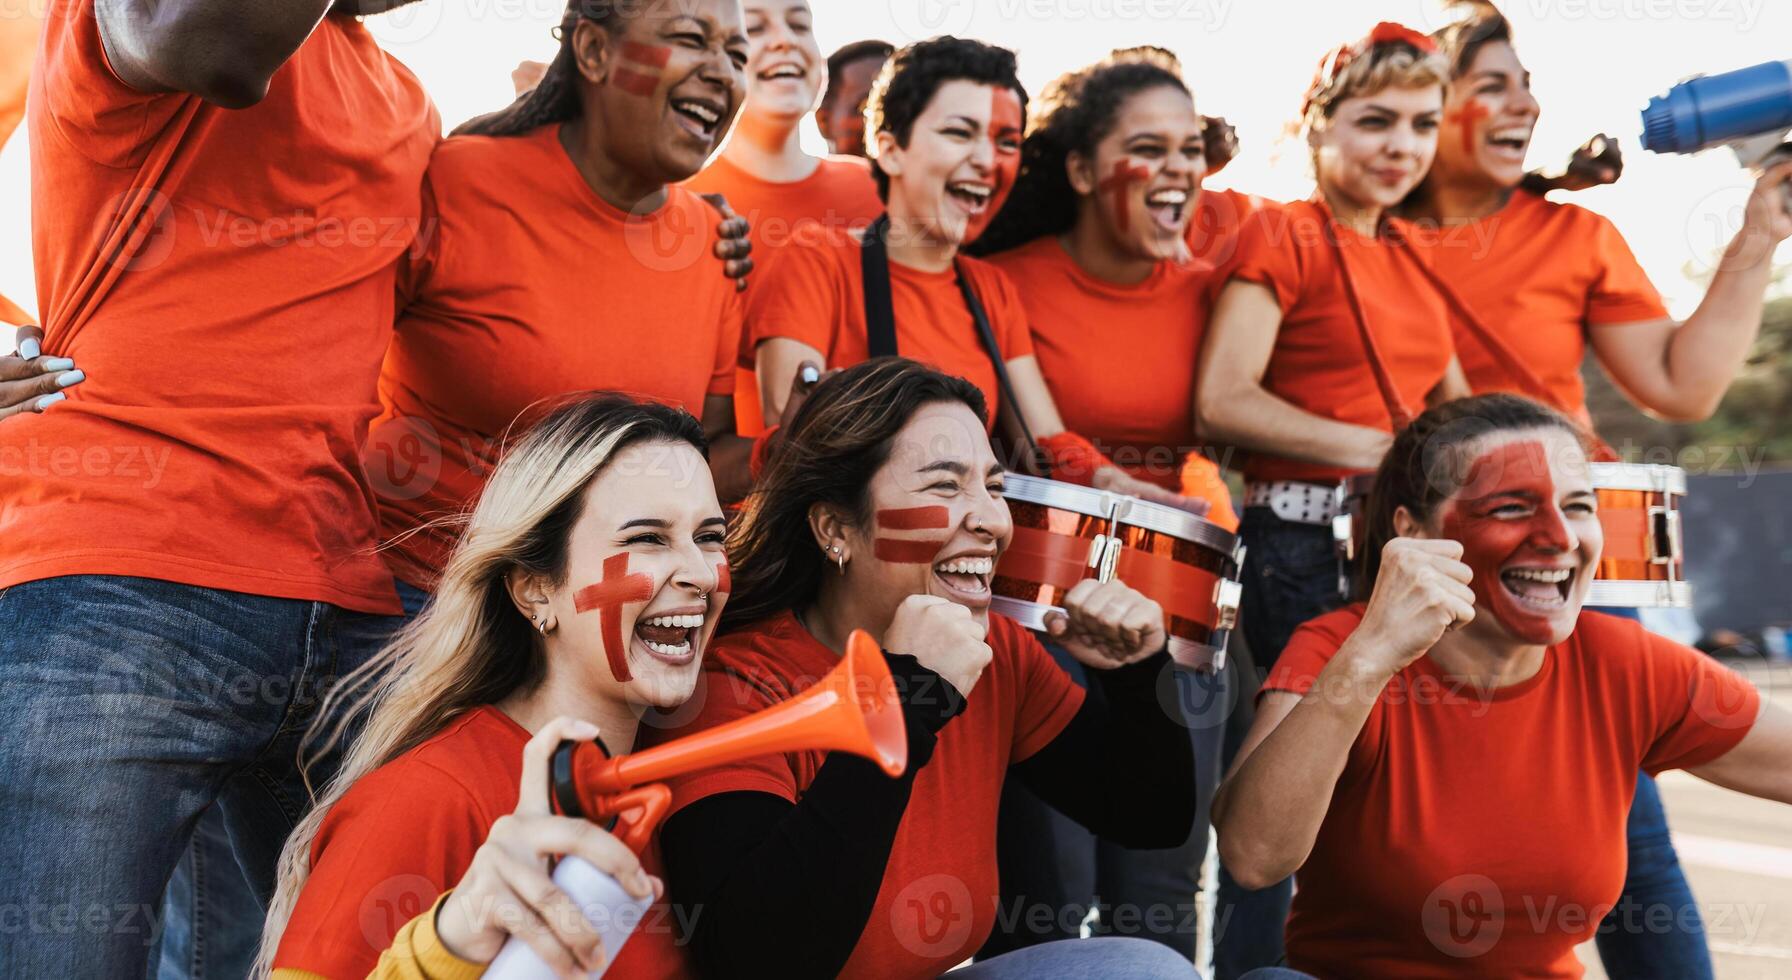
column 416, row 953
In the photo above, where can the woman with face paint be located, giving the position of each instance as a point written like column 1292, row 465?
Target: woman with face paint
column 560, row 256
column 582, row 593
column 946, row 118
column 884, row 512
column 784, row 193
column 1443, row 761
column 1325, row 341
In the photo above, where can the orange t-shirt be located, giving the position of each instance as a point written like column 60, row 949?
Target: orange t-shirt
column 407, row 832
column 1319, row 363
column 1482, row 833
column 815, row 293
column 1212, row 233
column 232, row 354
column 494, row 322
column 1120, row 360
column 939, row 896
column 839, row 198
column 1539, row 274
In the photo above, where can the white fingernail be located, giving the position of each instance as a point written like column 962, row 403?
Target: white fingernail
column 49, row 364
column 29, row 348
column 48, row 400
column 67, row 378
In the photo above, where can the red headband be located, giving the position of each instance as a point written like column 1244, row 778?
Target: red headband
column 1340, row 57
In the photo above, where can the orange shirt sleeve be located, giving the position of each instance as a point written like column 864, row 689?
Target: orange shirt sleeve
column 1046, row 696
column 800, row 296
column 1700, row 708
column 1267, row 254
column 1308, row 651
column 89, row 107
column 419, row 262
column 1623, row 293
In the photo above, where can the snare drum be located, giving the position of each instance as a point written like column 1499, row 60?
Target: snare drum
column 1064, row 533
column 1643, row 563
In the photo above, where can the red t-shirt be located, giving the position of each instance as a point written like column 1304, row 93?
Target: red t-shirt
column 1120, row 360
column 939, row 897
column 1212, row 233
column 1482, row 834
column 494, row 322
column 1539, row 274
column 839, row 198
column 232, row 355
column 407, row 832
column 1319, row 363
column 815, row 293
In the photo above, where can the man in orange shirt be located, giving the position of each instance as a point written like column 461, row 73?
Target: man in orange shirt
column 221, row 192
column 841, row 115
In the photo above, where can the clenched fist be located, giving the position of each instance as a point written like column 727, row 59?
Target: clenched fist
column 1108, row 624
column 1422, row 590
column 943, row 636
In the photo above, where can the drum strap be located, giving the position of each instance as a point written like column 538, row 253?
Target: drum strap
column 880, row 321
column 1398, row 413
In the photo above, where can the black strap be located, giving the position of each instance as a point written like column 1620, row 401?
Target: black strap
column 880, row 322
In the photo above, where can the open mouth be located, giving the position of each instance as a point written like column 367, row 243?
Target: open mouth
column 1167, row 206
column 1510, row 141
column 672, row 639
column 1543, row 590
column 966, row 579
column 971, row 196
column 784, row 71
column 701, row 116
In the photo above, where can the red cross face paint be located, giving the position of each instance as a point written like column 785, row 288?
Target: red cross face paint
column 1007, row 126
column 607, row 598
column 1527, row 546
column 641, row 67
column 1117, row 186
column 1467, row 118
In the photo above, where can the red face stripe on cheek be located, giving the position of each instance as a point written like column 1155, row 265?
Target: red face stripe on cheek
column 914, row 518
column 646, row 63
column 1465, row 119
column 906, row 551
column 724, row 581
column 1118, row 183
column 1005, row 124
column 1518, row 470
column 607, row 597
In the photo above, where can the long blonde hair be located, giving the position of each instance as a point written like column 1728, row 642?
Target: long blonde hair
column 470, row 646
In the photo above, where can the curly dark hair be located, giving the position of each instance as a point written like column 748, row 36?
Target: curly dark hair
column 912, row 76
column 1073, row 114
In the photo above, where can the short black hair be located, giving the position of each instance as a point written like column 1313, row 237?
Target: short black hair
column 849, row 54
column 912, row 76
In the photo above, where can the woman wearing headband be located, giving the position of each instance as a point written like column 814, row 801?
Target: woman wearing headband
column 883, row 511
column 1325, row 341
column 1448, row 767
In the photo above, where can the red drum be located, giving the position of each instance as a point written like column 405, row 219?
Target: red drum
column 1643, row 563
column 1065, row 533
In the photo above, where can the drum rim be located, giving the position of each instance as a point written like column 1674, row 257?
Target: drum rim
column 1032, row 615
column 1643, row 477
column 1637, row 594
column 1146, row 514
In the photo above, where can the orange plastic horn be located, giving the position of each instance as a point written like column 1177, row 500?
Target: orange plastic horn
column 853, row 709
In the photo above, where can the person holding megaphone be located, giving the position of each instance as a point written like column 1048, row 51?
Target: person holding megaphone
column 583, row 592
column 882, row 511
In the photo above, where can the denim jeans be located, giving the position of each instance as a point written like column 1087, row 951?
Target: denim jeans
column 131, row 706
column 1104, row 957
column 1290, row 575
column 1049, row 863
column 204, row 933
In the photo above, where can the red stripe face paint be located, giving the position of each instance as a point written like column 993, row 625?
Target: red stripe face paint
column 607, row 597
column 914, row 518
column 1507, row 516
column 1006, row 129
column 1118, row 184
column 906, row 551
column 644, row 63
column 1465, row 118
column 724, row 581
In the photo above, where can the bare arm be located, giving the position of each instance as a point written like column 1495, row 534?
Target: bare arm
column 777, row 361
column 224, row 51
column 1681, row 371
column 730, row 455
column 1231, row 404
column 1760, row 764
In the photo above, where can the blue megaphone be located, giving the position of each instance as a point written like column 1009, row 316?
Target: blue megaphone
column 1749, row 110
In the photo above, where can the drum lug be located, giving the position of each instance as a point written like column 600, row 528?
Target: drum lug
column 1226, row 595
column 1104, row 556
column 1343, row 537
column 1664, row 535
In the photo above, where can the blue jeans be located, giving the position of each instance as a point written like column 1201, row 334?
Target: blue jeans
column 1290, row 575
column 1106, row 957
column 204, row 932
column 131, row 706
column 1053, row 871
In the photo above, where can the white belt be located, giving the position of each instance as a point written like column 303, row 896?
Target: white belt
column 1293, row 500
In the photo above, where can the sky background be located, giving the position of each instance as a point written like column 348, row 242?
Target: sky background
column 1595, row 64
